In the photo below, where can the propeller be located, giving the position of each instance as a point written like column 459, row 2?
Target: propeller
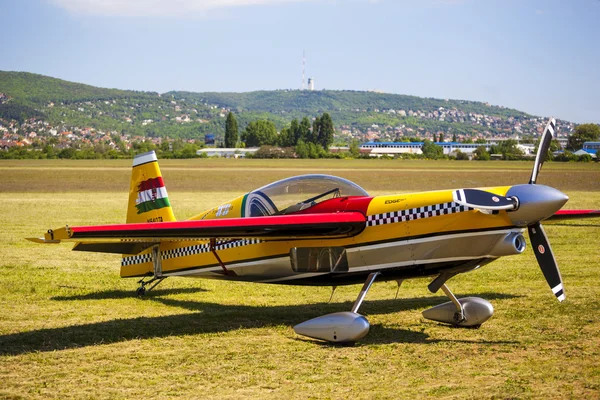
column 543, row 149
column 539, row 240
column 546, row 260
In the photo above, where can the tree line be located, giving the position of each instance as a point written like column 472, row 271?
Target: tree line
column 301, row 139
column 308, row 140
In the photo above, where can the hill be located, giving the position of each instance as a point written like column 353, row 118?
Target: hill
column 287, row 101
column 34, row 89
column 360, row 115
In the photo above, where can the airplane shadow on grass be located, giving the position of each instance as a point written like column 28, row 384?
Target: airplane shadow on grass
column 208, row 317
column 125, row 294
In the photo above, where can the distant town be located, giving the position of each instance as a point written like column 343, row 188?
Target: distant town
column 39, row 133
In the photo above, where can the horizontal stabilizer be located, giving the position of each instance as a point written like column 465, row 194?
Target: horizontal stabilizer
column 113, row 248
column 482, row 200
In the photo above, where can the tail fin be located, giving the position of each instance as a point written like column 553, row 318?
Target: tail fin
column 148, row 200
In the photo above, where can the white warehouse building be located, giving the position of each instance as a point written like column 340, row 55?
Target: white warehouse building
column 376, row 149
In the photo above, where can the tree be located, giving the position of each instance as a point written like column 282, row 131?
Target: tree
column 316, row 127
column 68, row 152
column 454, row 137
column 583, row 133
column 481, row 153
column 301, row 149
column 461, row 156
column 259, row 133
column 313, row 150
column 304, row 130
column 325, row 132
column 188, row 150
column 231, row 131
column 508, row 149
column 354, row 148
column 565, row 156
column 295, row 132
column 286, row 138
column 431, row 150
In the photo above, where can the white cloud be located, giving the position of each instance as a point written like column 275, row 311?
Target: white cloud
column 156, row 8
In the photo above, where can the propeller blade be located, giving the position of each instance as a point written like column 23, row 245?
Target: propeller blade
column 546, row 260
column 543, row 149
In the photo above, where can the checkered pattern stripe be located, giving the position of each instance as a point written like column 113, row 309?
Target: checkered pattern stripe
column 139, row 259
column 185, row 251
column 237, row 243
column 188, row 251
column 434, row 210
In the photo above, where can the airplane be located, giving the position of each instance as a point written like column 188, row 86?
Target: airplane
column 327, row 231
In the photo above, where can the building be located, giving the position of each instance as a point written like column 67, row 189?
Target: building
column 562, row 141
column 339, row 149
column 209, row 139
column 227, row 152
column 376, row 149
column 527, row 148
column 591, row 148
column 311, row 84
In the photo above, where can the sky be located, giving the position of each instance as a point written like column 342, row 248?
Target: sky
column 537, row 56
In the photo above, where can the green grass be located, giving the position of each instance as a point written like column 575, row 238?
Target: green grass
column 71, row 328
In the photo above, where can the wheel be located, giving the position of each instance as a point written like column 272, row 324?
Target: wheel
column 141, row 291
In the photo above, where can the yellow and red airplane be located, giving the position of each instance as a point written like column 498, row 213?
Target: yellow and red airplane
column 325, row 230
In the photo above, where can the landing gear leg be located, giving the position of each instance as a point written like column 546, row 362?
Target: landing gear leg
column 468, row 311
column 141, row 291
column 332, row 292
column 364, row 290
column 158, row 276
column 399, row 282
column 459, row 315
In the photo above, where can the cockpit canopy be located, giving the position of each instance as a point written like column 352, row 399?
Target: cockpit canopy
column 298, row 193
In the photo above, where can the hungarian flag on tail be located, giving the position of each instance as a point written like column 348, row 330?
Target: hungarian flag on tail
column 152, row 195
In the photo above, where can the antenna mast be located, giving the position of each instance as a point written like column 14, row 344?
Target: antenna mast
column 303, row 67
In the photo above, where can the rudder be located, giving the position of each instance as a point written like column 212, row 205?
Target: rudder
column 148, row 200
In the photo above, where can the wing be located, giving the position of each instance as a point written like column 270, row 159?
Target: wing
column 133, row 238
column 574, row 214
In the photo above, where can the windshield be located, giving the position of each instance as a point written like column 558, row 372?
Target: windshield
column 298, row 193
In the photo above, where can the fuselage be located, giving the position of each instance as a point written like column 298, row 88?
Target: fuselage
column 405, row 236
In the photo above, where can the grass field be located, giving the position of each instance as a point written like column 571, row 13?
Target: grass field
column 71, row 328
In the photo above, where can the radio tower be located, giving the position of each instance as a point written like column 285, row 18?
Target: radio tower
column 303, row 67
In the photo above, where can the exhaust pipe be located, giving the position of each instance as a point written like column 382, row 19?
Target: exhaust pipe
column 513, row 243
